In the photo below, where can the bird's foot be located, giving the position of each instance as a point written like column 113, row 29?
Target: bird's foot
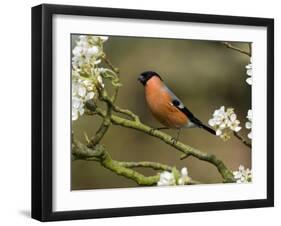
column 174, row 140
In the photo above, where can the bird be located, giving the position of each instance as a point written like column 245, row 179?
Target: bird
column 166, row 107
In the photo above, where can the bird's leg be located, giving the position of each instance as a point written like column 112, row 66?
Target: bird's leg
column 175, row 139
column 159, row 128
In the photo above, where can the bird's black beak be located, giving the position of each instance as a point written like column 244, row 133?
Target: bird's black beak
column 141, row 79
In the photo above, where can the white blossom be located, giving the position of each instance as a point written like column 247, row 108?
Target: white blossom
column 166, row 179
column 103, row 38
column 77, row 107
column 88, row 50
column 233, row 123
column 93, row 51
column 243, row 175
column 248, row 124
column 218, row 117
column 184, row 176
column 87, row 55
column 81, row 92
column 89, row 96
column 223, row 120
column 249, row 72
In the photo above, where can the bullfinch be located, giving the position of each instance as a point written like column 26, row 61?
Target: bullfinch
column 166, row 107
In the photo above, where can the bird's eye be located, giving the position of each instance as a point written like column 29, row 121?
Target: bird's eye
column 176, row 102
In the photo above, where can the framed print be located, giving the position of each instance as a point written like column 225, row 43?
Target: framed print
column 146, row 112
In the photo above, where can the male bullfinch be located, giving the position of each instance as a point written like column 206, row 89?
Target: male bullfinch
column 166, row 107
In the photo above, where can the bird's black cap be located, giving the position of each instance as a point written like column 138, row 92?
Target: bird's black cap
column 145, row 76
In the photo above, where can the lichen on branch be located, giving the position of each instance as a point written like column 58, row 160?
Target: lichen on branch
column 125, row 169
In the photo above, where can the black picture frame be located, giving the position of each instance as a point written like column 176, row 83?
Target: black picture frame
column 42, row 111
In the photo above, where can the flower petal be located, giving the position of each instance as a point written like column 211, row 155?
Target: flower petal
column 82, row 91
column 249, row 81
column 238, row 128
column 250, row 135
column 211, row 122
column 184, row 171
column 248, row 125
column 218, row 132
column 233, row 117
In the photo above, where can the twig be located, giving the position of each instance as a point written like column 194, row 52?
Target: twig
column 184, row 156
column 230, row 46
column 185, row 149
column 116, row 70
column 244, row 141
column 109, row 103
column 118, row 109
column 108, row 62
column 127, row 112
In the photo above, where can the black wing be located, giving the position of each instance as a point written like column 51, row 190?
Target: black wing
column 179, row 105
column 187, row 112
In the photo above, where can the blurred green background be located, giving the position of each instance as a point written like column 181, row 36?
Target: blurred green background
column 204, row 74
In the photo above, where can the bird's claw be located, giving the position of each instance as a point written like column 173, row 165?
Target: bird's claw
column 174, row 140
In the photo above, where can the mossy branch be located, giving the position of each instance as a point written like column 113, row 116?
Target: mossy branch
column 185, row 149
column 146, row 164
column 99, row 154
column 103, row 127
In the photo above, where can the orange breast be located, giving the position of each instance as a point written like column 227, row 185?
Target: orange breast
column 160, row 105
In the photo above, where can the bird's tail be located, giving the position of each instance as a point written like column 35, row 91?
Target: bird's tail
column 208, row 129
